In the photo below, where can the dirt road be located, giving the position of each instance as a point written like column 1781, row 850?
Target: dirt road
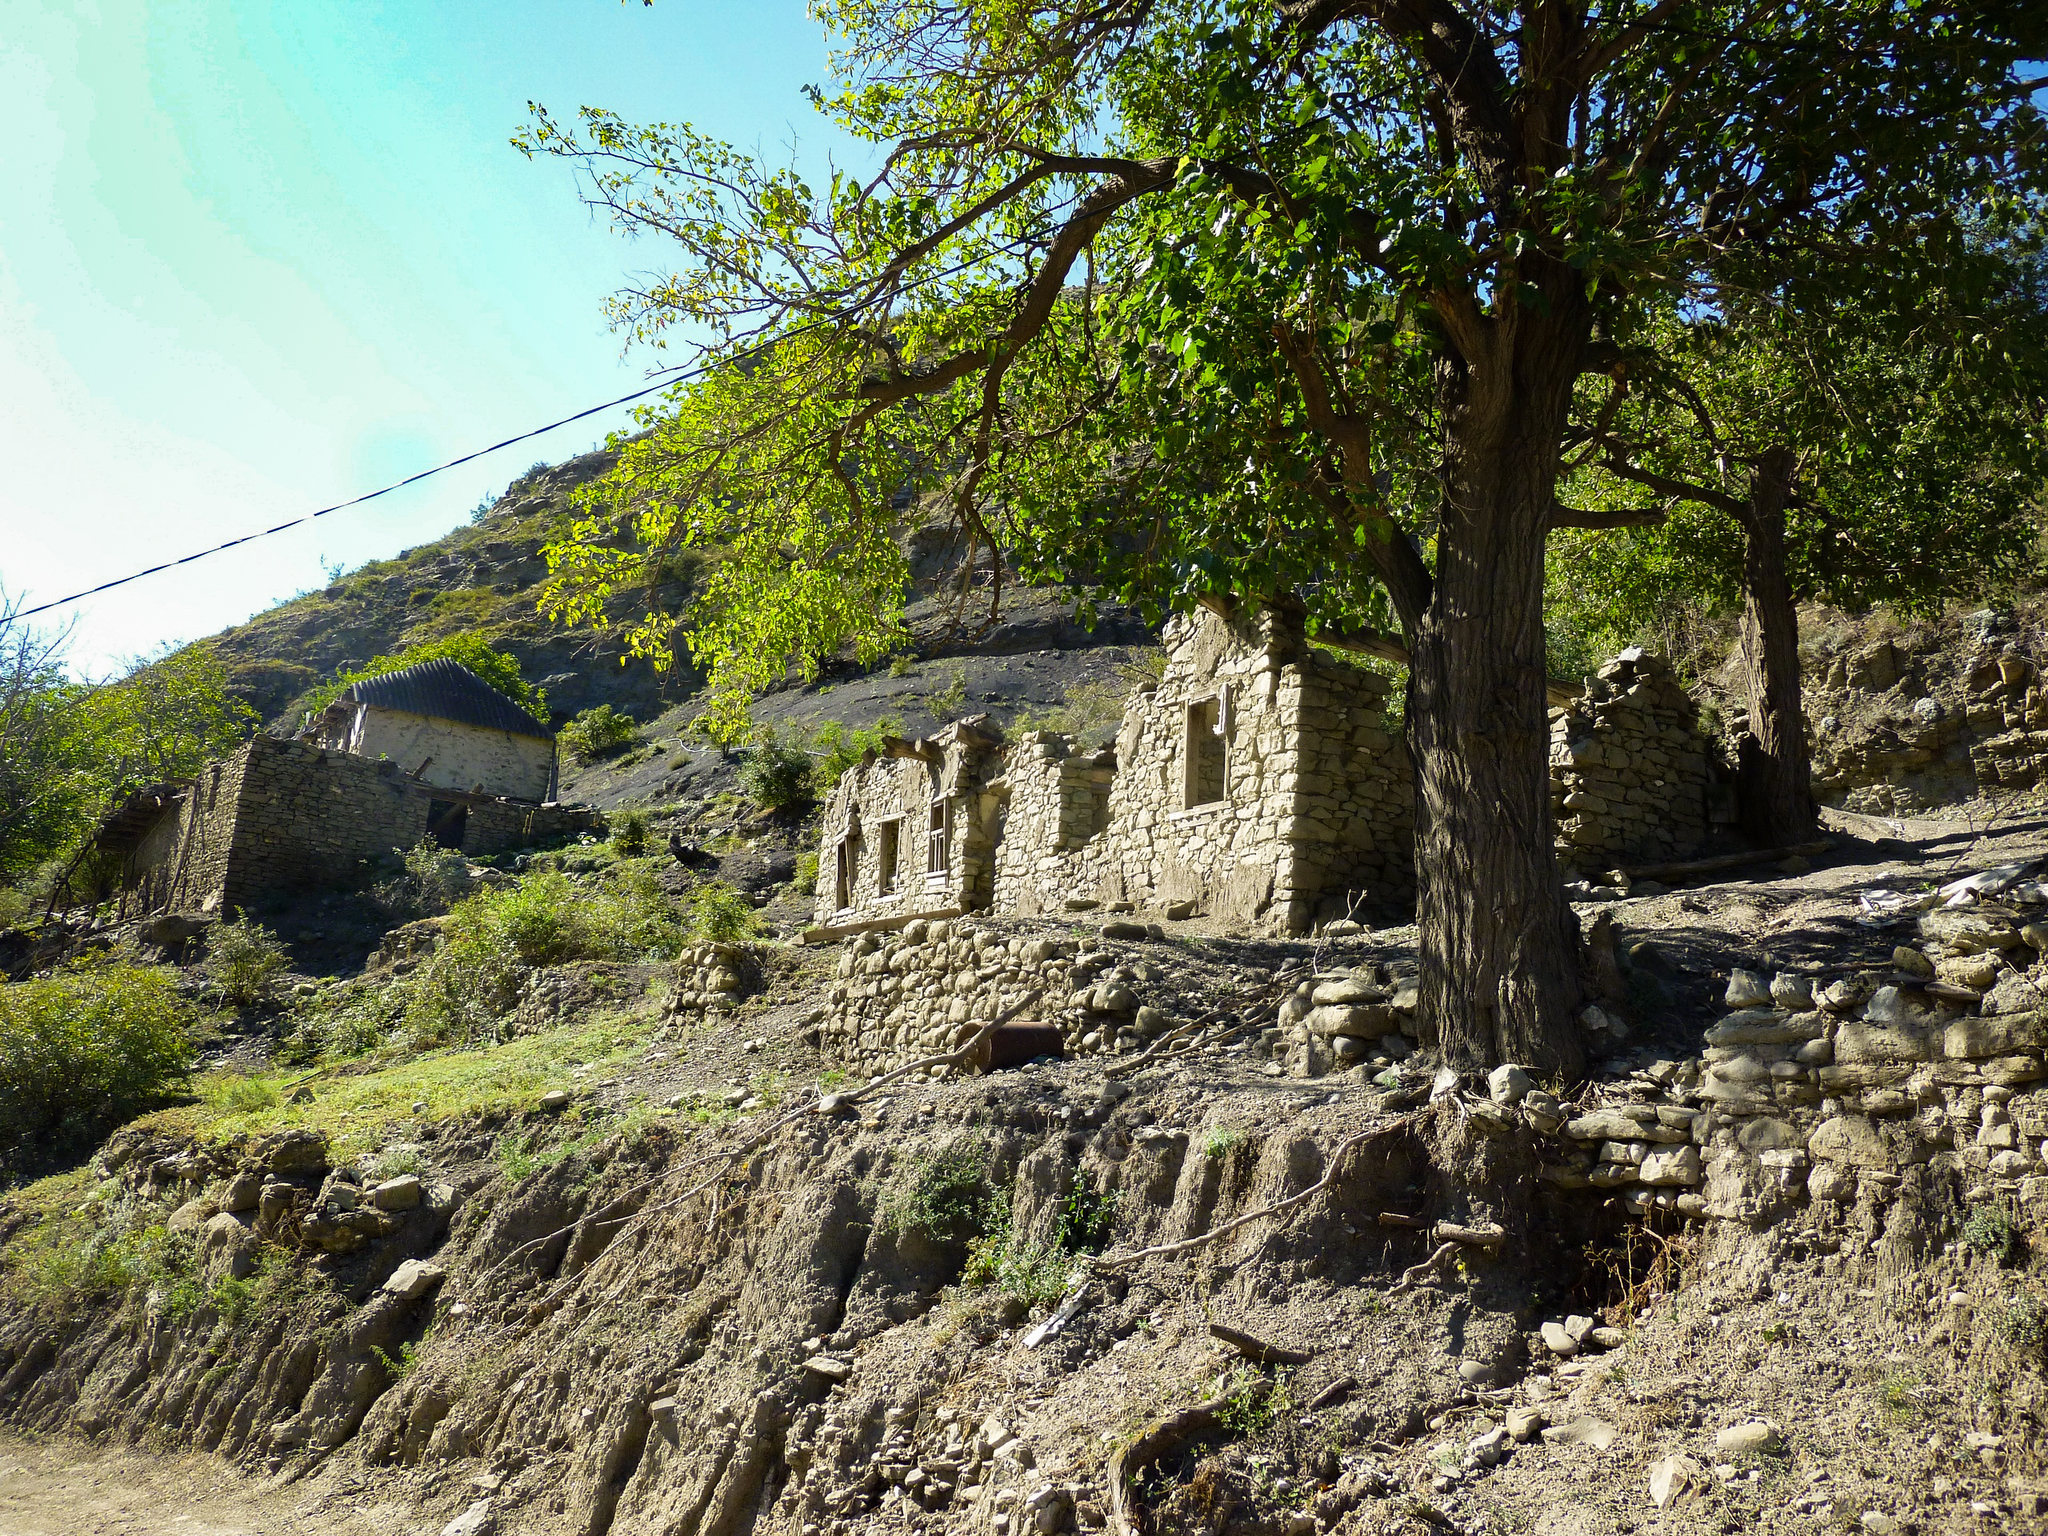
column 57, row 1487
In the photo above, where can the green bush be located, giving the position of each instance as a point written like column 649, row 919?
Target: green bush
column 945, row 1196
column 777, row 775
column 629, row 834
column 721, row 915
column 243, row 959
column 1990, row 1230
column 806, row 878
column 89, row 1047
column 595, row 732
column 836, row 748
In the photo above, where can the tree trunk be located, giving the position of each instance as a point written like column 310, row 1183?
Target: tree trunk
column 1498, row 944
column 1773, row 772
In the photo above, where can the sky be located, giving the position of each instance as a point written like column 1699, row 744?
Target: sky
column 258, row 256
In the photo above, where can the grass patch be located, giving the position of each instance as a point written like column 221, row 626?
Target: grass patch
column 944, row 1196
column 1991, row 1231
column 360, row 1110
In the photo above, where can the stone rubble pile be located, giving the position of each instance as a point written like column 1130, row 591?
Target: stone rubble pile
column 714, row 977
column 1358, row 1017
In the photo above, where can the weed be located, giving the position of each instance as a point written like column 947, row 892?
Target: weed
column 2023, row 1324
column 243, row 959
column 902, row 666
column 945, row 1196
column 408, row 1357
column 1253, row 1400
column 238, row 1094
column 834, row 748
column 806, row 878
column 1087, row 1216
column 1991, row 1231
column 1032, row 1273
column 1221, row 1141
column 1898, row 1398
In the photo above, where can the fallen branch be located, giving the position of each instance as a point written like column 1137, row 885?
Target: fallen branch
column 1342, row 1387
column 1258, row 1349
column 1396, row 1219
column 1155, row 1443
column 1113, row 1261
column 1157, row 1051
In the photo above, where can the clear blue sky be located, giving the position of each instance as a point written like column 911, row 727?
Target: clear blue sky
column 261, row 255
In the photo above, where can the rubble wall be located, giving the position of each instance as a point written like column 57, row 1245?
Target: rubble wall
column 1629, row 775
column 897, row 998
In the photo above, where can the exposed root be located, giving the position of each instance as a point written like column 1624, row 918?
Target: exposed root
column 1155, row 1443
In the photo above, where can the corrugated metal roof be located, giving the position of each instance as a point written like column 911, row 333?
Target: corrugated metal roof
column 447, row 690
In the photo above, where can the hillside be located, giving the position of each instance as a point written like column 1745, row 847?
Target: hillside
column 480, row 579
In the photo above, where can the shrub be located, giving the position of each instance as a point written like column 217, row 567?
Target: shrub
column 806, row 878
column 777, row 775
column 945, row 704
column 597, row 731
column 720, row 915
column 89, row 1047
column 1990, row 1230
column 629, row 834
column 243, row 959
column 836, row 748
column 944, row 1197
column 902, row 665
column 631, row 916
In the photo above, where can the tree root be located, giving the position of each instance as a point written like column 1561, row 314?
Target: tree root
column 1155, row 1443
column 1115, row 1261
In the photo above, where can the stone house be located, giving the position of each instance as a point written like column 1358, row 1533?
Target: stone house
column 284, row 815
column 1257, row 782
column 444, row 726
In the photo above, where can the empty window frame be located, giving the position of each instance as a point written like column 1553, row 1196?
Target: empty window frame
column 447, row 820
column 1204, row 757
column 939, row 850
column 886, row 841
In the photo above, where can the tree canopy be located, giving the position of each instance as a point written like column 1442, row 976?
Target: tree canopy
column 472, row 651
column 1227, row 303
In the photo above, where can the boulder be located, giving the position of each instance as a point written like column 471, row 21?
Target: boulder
column 1676, row 1165
column 1755, row 1437
column 1747, row 989
column 413, row 1279
column 400, row 1194
column 1509, row 1085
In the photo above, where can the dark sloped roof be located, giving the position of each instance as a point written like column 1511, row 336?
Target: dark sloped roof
column 447, row 690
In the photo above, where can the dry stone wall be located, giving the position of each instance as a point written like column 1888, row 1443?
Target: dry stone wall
column 714, row 978
column 1629, row 769
column 285, row 815
column 901, row 997
column 1256, row 782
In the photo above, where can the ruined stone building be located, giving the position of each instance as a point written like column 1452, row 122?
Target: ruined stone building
column 283, row 815
column 1257, row 781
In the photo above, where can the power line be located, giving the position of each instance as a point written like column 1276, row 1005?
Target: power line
column 356, row 501
column 678, row 377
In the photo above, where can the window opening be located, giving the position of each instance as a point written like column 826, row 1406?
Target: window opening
column 1205, row 753
column 885, row 858
column 939, row 857
column 447, row 820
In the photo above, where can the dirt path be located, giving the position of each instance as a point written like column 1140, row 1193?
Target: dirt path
column 57, row 1487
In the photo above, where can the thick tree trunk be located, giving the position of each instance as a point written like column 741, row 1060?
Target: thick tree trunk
column 1498, row 943
column 1774, row 773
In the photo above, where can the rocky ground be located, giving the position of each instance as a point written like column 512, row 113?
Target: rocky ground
column 672, row 1274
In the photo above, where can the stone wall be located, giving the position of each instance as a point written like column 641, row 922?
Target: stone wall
column 875, row 861
column 279, row 816
column 900, row 997
column 1629, row 776
column 1833, row 1087
column 1256, row 782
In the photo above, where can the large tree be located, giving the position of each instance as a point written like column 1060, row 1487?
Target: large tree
column 1827, row 446
column 1349, row 257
